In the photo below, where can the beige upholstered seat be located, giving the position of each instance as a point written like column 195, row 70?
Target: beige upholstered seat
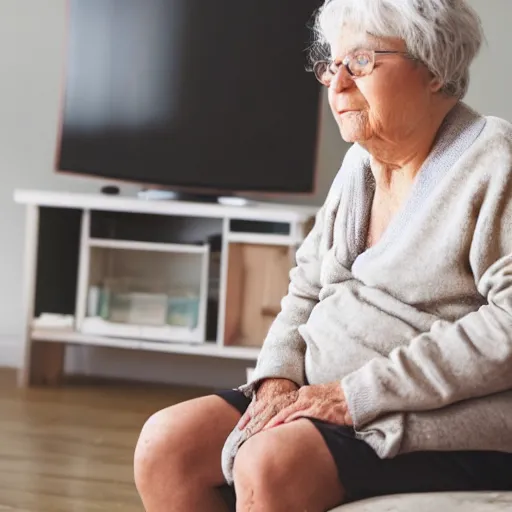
column 435, row 502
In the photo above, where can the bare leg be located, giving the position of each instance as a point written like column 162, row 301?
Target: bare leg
column 177, row 459
column 288, row 468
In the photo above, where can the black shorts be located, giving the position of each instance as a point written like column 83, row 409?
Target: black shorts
column 364, row 475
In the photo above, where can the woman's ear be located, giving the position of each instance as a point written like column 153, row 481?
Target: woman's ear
column 435, row 84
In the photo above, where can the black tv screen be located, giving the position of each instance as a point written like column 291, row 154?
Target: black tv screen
column 209, row 94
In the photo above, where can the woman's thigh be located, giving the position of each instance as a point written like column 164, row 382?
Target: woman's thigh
column 187, row 440
column 293, row 462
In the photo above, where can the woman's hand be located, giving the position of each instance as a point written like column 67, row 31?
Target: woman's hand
column 272, row 396
column 325, row 402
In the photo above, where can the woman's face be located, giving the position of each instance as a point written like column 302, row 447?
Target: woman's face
column 387, row 105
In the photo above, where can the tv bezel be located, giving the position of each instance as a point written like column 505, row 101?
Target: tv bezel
column 195, row 190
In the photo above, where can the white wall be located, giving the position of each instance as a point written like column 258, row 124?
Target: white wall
column 32, row 34
column 491, row 78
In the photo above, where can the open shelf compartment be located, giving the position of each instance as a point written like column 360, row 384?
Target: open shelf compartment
column 134, row 289
column 257, row 281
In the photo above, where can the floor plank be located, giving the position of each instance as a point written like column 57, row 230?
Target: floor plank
column 71, row 448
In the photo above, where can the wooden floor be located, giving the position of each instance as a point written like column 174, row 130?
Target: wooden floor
column 71, row 449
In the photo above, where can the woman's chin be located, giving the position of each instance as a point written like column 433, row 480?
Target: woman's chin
column 352, row 132
column 352, row 136
column 353, row 126
column 348, row 138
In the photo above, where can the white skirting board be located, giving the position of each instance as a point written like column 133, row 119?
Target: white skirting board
column 139, row 366
column 160, row 368
column 10, row 351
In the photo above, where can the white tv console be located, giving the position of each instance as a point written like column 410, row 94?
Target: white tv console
column 67, row 232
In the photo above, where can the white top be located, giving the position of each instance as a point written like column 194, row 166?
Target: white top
column 255, row 211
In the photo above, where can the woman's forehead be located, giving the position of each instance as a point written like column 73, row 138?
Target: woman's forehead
column 349, row 41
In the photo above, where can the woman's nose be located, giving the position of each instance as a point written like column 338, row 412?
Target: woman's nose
column 341, row 80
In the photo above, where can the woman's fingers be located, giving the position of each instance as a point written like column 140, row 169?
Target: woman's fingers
column 255, row 409
column 245, row 419
column 282, row 415
column 299, row 414
column 262, row 411
column 256, row 423
column 325, row 402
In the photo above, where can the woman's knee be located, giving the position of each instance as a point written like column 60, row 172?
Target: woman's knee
column 160, row 445
column 184, row 442
column 258, row 468
column 289, row 466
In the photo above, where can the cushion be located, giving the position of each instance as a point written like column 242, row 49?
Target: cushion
column 440, row 502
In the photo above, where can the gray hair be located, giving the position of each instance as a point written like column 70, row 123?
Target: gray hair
column 445, row 35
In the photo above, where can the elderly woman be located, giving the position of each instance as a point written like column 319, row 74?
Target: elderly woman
column 389, row 369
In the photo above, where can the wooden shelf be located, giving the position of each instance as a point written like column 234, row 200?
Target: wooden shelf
column 106, row 243
column 208, row 349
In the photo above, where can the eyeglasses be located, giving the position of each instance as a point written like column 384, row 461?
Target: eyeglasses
column 359, row 63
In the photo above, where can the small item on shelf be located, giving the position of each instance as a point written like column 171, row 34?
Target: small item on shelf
column 145, row 308
column 110, row 190
column 104, row 303
column 157, row 195
column 132, row 301
column 93, row 300
column 53, row 321
column 183, row 310
column 138, row 308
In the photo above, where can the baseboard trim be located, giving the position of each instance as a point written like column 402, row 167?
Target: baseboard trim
column 149, row 367
column 10, row 351
column 138, row 365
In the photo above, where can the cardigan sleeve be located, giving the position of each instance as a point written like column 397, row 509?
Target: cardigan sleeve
column 454, row 361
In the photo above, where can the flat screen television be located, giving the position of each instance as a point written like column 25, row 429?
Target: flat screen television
column 210, row 95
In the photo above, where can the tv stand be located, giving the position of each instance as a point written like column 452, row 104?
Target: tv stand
column 235, row 259
column 170, row 195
